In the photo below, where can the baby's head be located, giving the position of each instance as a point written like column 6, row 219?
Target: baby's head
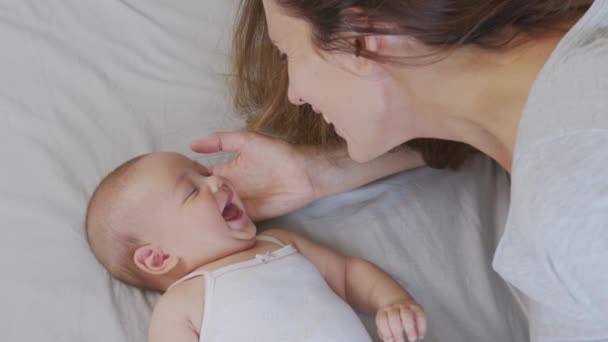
column 160, row 216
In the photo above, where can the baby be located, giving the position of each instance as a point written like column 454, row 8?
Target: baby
column 161, row 221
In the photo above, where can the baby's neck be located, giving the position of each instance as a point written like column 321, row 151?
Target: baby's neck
column 260, row 247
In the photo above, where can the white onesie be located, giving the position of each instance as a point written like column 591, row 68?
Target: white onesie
column 278, row 296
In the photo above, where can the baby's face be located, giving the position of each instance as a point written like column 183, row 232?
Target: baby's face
column 196, row 216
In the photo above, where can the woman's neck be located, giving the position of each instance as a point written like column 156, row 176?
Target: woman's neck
column 483, row 96
column 503, row 100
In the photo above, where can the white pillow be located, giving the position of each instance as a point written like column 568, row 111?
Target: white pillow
column 85, row 86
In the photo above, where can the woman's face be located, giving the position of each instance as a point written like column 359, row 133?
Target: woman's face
column 366, row 105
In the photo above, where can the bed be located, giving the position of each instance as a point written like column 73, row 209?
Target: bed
column 87, row 84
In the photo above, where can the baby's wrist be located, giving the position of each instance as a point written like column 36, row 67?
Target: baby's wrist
column 402, row 300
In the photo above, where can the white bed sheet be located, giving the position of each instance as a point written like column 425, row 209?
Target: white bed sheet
column 87, row 84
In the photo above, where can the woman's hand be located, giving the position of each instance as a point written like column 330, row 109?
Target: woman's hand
column 274, row 178
column 269, row 174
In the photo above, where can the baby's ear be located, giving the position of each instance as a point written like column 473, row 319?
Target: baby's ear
column 154, row 260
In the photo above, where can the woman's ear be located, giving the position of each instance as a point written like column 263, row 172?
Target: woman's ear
column 369, row 43
column 375, row 45
column 154, row 260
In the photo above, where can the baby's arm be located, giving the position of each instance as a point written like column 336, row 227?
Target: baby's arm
column 364, row 286
column 171, row 320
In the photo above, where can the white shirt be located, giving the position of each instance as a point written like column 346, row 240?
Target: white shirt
column 279, row 296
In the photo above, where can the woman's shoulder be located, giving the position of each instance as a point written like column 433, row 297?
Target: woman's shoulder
column 574, row 76
column 588, row 39
column 569, row 98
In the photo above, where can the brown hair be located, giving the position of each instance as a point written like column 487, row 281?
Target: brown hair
column 261, row 79
column 111, row 242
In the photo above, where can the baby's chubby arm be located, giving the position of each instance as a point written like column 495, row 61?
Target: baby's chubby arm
column 364, row 286
column 171, row 320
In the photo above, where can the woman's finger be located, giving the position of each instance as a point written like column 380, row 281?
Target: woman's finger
column 220, row 142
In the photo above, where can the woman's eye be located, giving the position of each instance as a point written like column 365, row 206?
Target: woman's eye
column 283, row 56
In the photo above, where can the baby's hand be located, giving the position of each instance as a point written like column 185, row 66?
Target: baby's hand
column 394, row 319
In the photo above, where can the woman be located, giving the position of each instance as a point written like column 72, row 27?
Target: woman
column 523, row 81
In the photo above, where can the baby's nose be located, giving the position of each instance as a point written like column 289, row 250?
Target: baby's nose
column 217, row 184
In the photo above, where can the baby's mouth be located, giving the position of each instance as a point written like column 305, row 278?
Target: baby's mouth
column 231, row 212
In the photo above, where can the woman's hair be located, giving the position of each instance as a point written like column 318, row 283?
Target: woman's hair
column 261, row 78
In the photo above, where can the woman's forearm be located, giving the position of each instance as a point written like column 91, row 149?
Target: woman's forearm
column 332, row 171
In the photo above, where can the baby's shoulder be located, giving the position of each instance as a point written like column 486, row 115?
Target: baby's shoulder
column 184, row 292
column 185, row 299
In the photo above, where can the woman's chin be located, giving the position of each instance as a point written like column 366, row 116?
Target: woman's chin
column 363, row 153
column 360, row 156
